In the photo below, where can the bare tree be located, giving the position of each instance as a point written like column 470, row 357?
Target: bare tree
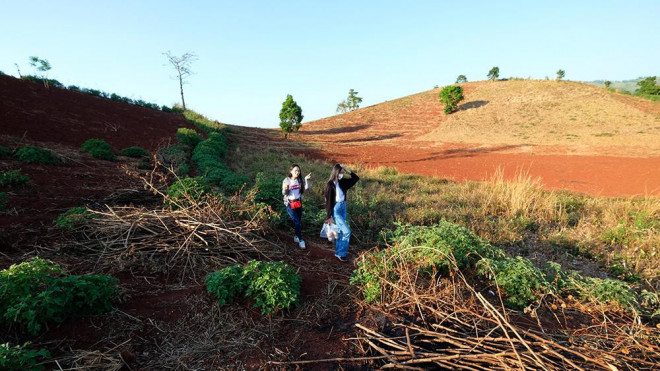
column 182, row 66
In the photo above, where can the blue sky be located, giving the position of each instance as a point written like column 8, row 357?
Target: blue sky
column 251, row 54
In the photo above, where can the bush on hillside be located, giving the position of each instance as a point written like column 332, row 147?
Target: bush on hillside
column 226, row 284
column 175, row 157
column 13, row 178
column 208, row 156
column 99, row 149
column 73, row 217
column 273, row 286
column 187, row 191
column 521, row 281
column 39, row 291
column 20, row 357
column 189, row 137
column 136, row 152
column 37, row 155
column 450, row 96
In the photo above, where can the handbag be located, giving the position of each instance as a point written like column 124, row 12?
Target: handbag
column 295, row 204
column 329, row 231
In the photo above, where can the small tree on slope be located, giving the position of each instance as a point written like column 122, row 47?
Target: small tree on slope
column 290, row 116
column 450, row 96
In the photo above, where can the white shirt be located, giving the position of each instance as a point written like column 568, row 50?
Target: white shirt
column 339, row 194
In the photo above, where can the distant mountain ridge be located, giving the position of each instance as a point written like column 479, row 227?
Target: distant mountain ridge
column 629, row 85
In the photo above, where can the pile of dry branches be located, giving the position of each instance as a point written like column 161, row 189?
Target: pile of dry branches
column 205, row 235
column 449, row 324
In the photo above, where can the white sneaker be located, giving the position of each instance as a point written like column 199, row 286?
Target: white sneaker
column 302, row 245
column 296, row 239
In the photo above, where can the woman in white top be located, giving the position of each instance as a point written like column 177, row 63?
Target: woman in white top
column 293, row 186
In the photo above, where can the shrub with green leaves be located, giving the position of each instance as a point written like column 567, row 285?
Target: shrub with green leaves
column 273, row 286
column 226, row 284
column 73, row 217
column 186, row 191
column 175, row 156
column 610, row 291
column 39, row 291
column 13, row 178
column 520, row 280
column 37, row 155
column 20, row 357
column 450, row 96
column 100, row 149
column 208, row 156
column 136, row 152
column 424, row 248
column 188, row 137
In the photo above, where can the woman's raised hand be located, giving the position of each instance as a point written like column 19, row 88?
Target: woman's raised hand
column 308, row 176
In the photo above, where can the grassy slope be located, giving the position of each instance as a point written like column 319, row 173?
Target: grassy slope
column 577, row 117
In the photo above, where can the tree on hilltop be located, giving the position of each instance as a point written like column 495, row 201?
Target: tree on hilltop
column 648, row 86
column 351, row 103
column 461, row 79
column 450, row 96
column 182, row 66
column 290, row 116
column 494, row 73
column 560, row 74
column 607, row 83
column 41, row 65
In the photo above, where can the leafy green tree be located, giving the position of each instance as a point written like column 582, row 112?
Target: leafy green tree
column 648, row 86
column 182, row 66
column 461, row 79
column 41, row 65
column 560, row 74
column 290, row 116
column 450, row 96
column 351, row 103
column 342, row 107
column 494, row 73
column 608, row 83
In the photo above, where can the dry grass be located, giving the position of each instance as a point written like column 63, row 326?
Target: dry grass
column 533, row 115
column 435, row 322
column 550, row 113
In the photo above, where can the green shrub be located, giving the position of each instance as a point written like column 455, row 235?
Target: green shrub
column 272, row 285
column 100, row 149
column 188, row 137
column 20, row 358
column 208, row 156
column 447, row 239
column 4, row 152
column 135, row 152
column 450, row 96
column 268, row 188
column 175, row 156
column 520, row 280
column 3, row 201
column 72, row 217
column 37, row 155
column 13, row 178
column 226, row 284
column 38, row 291
column 186, row 191
column 424, row 248
column 610, row 291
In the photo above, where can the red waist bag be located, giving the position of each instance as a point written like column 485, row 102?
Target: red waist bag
column 295, row 204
